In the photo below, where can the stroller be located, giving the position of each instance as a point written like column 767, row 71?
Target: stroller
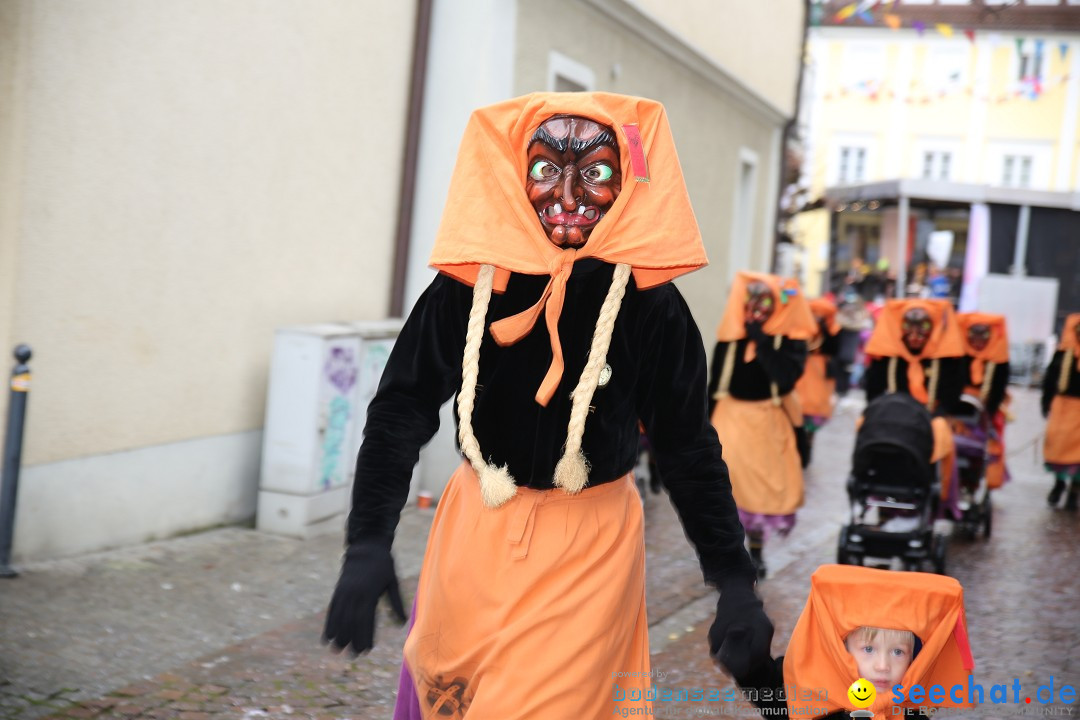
column 894, row 489
column 971, row 430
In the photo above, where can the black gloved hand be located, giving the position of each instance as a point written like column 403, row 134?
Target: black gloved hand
column 366, row 573
column 741, row 635
column 802, row 442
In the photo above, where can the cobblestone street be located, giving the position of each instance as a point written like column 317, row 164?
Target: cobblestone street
column 226, row 624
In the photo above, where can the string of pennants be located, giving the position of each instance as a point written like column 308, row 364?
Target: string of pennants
column 1028, row 88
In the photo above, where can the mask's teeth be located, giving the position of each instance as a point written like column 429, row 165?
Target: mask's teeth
column 581, row 210
column 556, row 209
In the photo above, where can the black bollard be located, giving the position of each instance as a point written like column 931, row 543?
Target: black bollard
column 9, row 479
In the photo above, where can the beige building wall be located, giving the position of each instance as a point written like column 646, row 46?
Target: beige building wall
column 759, row 43
column 187, row 177
column 717, row 122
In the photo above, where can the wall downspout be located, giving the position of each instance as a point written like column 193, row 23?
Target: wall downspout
column 410, row 159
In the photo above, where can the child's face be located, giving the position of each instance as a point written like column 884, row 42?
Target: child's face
column 881, row 659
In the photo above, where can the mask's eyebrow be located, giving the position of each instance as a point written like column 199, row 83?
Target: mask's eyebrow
column 605, row 137
column 543, row 136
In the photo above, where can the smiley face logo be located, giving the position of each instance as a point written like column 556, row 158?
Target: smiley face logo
column 861, row 693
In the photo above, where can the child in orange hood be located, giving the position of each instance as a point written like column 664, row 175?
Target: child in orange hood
column 1061, row 408
column 889, row 628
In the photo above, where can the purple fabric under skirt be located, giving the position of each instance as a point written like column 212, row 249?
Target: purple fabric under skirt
column 814, row 423
column 407, row 706
column 767, row 524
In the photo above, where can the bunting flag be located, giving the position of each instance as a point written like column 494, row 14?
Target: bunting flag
column 1019, row 46
column 945, row 29
column 845, row 12
column 970, row 34
column 1063, row 50
column 865, row 17
column 920, row 26
column 893, row 21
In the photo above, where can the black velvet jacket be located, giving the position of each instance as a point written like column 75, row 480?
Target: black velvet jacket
column 1050, row 381
column 950, row 384
column 658, row 376
column 751, row 380
column 999, row 383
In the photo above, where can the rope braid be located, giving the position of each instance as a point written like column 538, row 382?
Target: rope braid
column 988, row 376
column 1066, row 367
column 774, row 389
column 572, row 471
column 931, row 393
column 892, row 375
column 726, row 371
column 496, row 484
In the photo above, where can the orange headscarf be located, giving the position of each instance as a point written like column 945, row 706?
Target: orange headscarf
column 844, row 598
column 488, row 218
column 1068, row 338
column 791, row 317
column 945, row 339
column 996, row 350
column 825, row 309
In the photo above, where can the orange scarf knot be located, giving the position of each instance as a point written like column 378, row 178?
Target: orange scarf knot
column 511, row 329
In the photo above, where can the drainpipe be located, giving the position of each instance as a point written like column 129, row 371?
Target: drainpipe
column 407, row 194
column 789, row 129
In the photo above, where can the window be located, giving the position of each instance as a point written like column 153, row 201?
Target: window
column 1030, row 63
column 946, row 68
column 1016, row 171
column 568, row 75
column 852, row 168
column 936, row 165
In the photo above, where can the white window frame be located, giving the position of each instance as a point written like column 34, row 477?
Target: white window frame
column 563, row 66
column 1033, row 159
column 938, row 148
column 1028, row 51
column 946, row 55
column 743, row 212
column 857, row 142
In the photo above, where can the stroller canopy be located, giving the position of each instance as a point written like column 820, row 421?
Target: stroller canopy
column 897, row 420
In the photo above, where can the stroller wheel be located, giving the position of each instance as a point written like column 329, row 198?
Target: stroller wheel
column 937, row 553
column 988, row 517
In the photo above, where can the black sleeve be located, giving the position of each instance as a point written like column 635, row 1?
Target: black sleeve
column 999, row 385
column 785, row 365
column 714, row 374
column 1050, row 381
column 764, row 687
column 672, row 405
column 830, row 346
column 422, row 373
column 950, row 384
column 876, row 378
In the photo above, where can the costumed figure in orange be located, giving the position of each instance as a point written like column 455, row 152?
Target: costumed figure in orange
column 1061, row 408
column 986, row 374
column 818, row 382
column 553, row 320
column 760, row 354
column 850, row 620
column 917, row 348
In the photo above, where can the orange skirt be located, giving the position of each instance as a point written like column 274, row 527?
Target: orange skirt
column 815, row 389
column 534, row 609
column 945, row 453
column 762, row 458
column 1062, row 445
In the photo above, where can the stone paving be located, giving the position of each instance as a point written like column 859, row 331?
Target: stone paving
column 226, row 624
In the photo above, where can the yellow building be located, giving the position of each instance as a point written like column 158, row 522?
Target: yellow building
column 960, row 92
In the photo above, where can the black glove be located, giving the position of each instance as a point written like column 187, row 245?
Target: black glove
column 802, row 442
column 741, row 635
column 366, row 573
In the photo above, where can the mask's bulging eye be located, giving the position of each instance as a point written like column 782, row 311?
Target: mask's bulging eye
column 599, row 173
column 543, row 170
